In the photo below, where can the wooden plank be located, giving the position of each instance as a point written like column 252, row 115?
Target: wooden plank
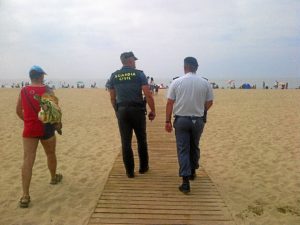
column 201, row 181
column 167, row 204
column 159, row 188
column 178, row 216
column 155, row 184
column 154, row 221
column 135, row 205
column 159, row 211
column 212, row 198
column 157, row 221
column 156, row 193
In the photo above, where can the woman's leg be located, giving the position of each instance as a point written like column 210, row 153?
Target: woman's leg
column 29, row 146
column 49, row 147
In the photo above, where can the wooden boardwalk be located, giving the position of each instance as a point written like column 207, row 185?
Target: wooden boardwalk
column 154, row 198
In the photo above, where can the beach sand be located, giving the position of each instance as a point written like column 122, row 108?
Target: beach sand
column 250, row 148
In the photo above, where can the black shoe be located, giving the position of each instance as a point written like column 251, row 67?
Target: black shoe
column 144, row 170
column 185, row 187
column 130, row 174
column 193, row 176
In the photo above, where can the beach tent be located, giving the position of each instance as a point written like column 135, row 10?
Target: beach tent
column 246, row 86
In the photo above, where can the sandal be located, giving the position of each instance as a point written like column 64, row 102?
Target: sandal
column 24, row 201
column 56, row 179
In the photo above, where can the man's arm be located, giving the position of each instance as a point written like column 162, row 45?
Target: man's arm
column 208, row 104
column 209, row 98
column 19, row 109
column 169, row 109
column 150, row 101
column 112, row 93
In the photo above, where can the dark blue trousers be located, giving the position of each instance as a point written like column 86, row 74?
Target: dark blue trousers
column 188, row 131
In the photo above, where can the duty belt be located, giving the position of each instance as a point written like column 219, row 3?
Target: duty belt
column 190, row 117
column 131, row 104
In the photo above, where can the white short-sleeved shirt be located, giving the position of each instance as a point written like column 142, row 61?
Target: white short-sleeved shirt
column 190, row 92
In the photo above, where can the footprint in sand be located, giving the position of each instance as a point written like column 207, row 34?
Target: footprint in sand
column 289, row 210
column 255, row 209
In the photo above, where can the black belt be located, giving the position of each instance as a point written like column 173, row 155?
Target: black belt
column 190, row 117
column 131, row 104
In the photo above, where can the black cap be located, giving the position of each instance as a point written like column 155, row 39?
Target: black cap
column 127, row 55
column 191, row 61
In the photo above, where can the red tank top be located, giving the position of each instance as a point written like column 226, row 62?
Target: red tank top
column 33, row 127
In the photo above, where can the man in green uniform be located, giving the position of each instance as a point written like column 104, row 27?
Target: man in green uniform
column 127, row 86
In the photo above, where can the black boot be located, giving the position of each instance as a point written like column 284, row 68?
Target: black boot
column 185, row 187
column 143, row 170
column 193, row 176
column 130, row 174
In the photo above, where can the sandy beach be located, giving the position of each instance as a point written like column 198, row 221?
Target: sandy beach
column 250, row 148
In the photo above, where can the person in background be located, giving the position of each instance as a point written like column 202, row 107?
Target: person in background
column 156, row 89
column 127, row 86
column 152, row 85
column 35, row 131
column 189, row 97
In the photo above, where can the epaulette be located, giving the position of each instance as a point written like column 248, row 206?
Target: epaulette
column 115, row 72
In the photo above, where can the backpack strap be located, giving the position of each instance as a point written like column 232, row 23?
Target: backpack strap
column 29, row 101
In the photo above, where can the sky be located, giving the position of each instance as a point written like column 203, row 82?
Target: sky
column 83, row 39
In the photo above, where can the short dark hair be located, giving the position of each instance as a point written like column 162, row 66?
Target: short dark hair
column 191, row 68
column 34, row 75
column 191, row 63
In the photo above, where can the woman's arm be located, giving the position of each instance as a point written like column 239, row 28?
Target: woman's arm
column 19, row 109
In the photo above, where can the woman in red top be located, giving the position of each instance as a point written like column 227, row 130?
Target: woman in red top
column 34, row 131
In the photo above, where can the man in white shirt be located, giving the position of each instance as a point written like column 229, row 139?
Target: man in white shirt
column 188, row 97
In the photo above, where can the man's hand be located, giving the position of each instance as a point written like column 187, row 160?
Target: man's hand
column 150, row 101
column 151, row 115
column 168, row 127
column 169, row 108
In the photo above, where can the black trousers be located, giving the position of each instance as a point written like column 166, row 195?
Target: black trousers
column 133, row 119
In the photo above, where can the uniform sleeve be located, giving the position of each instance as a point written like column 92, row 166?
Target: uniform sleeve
column 110, row 82
column 210, row 94
column 171, row 91
column 143, row 77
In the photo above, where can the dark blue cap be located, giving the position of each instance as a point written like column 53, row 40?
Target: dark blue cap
column 127, row 55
